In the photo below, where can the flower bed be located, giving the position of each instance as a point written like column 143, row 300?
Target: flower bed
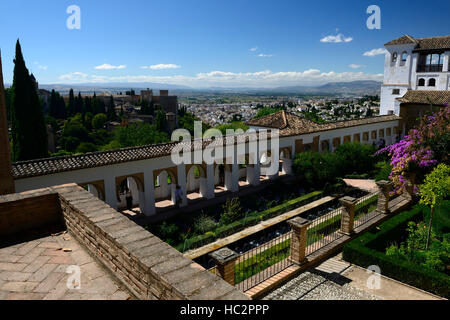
column 369, row 249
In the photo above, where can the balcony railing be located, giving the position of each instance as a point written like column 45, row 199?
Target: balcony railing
column 430, row 68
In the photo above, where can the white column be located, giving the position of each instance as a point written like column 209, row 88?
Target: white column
column 110, row 192
column 287, row 166
column 235, row 177
column 446, row 62
column 149, row 186
column 181, row 169
column 209, row 192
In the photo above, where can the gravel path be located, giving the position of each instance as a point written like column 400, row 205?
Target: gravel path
column 316, row 285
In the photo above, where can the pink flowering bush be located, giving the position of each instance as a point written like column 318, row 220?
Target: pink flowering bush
column 422, row 149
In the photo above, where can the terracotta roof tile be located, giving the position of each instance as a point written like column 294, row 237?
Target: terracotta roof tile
column 435, row 97
column 430, row 43
column 288, row 124
column 297, row 125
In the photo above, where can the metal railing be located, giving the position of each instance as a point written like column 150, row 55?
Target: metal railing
column 263, row 262
column 364, row 214
column 430, row 68
column 323, row 230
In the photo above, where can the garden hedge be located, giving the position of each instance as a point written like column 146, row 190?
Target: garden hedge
column 369, row 248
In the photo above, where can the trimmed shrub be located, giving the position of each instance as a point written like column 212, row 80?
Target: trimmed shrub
column 200, row 240
column 369, row 249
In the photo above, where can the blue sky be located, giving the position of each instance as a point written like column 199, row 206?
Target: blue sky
column 210, row 43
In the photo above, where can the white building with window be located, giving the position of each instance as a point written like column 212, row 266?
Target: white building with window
column 415, row 64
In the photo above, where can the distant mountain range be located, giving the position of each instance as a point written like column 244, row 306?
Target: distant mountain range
column 352, row 87
column 363, row 87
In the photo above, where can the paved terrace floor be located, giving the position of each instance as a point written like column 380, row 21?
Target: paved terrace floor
column 36, row 270
column 336, row 279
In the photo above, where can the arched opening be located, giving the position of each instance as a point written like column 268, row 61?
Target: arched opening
column 336, row 143
column 95, row 188
column 432, row 82
column 421, row 82
column 243, row 174
column 285, row 166
column 265, row 162
column 165, row 185
column 195, row 183
column 325, row 146
column 403, row 58
column 394, row 58
column 223, row 178
column 130, row 195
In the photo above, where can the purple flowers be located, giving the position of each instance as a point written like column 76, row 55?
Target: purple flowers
column 416, row 149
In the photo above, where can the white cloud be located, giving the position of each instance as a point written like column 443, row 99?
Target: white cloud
column 74, row 76
column 107, row 66
column 336, row 39
column 162, row 66
column 261, row 79
column 264, row 55
column 42, row 67
column 355, row 66
column 374, row 52
column 254, row 49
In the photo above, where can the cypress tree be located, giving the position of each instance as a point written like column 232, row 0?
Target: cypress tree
column 29, row 132
column 160, row 121
column 78, row 104
column 71, row 108
column 111, row 110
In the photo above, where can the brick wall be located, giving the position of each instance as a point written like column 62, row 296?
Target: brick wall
column 147, row 266
column 30, row 210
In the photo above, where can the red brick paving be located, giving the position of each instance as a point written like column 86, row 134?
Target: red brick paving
column 36, row 270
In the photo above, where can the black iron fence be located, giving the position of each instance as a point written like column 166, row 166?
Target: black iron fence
column 365, row 209
column 323, row 230
column 263, row 262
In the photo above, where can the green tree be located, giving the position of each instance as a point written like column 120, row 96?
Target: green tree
column 232, row 126
column 29, row 132
column 160, row 121
column 355, row 157
column 186, row 121
column 84, row 147
column 8, row 92
column 99, row 121
column 111, row 112
column 435, row 188
column 137, row 135
column 57, row 108
column 232, row 211
column 266, row 111
column 316, row 168
column 71, row 107
column 73, row 133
